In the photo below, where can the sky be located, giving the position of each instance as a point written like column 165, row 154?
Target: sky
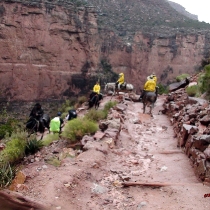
column 200, row 8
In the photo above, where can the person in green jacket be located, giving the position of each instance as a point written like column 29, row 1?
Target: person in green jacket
column 56, row 123
column 149, row 86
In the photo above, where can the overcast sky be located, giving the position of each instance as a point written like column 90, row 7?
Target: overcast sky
column 200, row 8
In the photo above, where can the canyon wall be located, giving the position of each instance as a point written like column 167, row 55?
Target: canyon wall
column 54, row 51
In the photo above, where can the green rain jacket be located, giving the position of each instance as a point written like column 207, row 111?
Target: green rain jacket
column 55, row 124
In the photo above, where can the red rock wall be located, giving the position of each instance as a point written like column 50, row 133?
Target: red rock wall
column 40, row 50
column 51, row 52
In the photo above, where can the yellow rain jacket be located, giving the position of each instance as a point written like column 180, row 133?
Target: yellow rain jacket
column 96, row 88
column 155, row 78
column 150, row 85
column 55, row 124
column 121, row 79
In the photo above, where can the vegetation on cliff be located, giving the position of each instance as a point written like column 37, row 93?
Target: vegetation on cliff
column 127, row 17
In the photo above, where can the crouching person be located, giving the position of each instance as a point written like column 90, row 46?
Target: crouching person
column 56, row 123
column 72, row 113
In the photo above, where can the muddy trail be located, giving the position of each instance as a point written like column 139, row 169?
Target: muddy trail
column 145, row 158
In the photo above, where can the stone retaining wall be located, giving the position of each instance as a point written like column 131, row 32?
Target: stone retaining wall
column 190, row 118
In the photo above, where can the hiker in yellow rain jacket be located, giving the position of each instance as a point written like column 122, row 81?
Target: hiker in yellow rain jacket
column 96, row 90
column 120, row 81
column 149, row 86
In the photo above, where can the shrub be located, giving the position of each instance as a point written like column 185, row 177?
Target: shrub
column 77, row 128
column 193, row 90
column 33, row 146
column 54, row 161
column 15, row 148
column 204, row 81
column 7, row 128
column 96, row 115
column 7, row 174
column 67, row 105
column 48, row 139
column 109, row 105
column 14, row 151
column 162, row 89
column 181, row 77
column 82, row 99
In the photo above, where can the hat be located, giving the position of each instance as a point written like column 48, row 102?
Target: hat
column 38, row 105
column 59, row 114
column 150, row 77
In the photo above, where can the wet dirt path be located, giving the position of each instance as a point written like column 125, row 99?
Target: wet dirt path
column 147, row 152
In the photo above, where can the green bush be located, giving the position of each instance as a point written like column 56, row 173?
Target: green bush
column 109, row 105
column 67, row 105
column 7, row 128
column 193, row 90
column 162, row 89
column 204, row 81
column 96, row 115
column 182, row 77
column 33, row 146
column 14, row 151
column 48, row 139
column 15, row 148
column 7, row 174
column 82, row 99
column 54, row 161
column 75, row 129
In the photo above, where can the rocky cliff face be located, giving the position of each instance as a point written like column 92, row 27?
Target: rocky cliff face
column 43, row 47
column 53, row 50
column 166, row 55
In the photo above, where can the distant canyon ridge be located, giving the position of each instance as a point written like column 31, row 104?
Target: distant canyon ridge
column 53, row 50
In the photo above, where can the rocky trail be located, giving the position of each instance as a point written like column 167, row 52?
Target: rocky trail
column 145, row 158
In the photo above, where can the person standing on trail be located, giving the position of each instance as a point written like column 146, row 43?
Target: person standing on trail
column 56, row 123
column 149, row 86
column 120, row 81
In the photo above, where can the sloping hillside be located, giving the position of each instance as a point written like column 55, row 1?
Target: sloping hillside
column 128, row 16
column 182, row 10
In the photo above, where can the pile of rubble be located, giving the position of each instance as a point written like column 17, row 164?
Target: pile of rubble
column 190, row 118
